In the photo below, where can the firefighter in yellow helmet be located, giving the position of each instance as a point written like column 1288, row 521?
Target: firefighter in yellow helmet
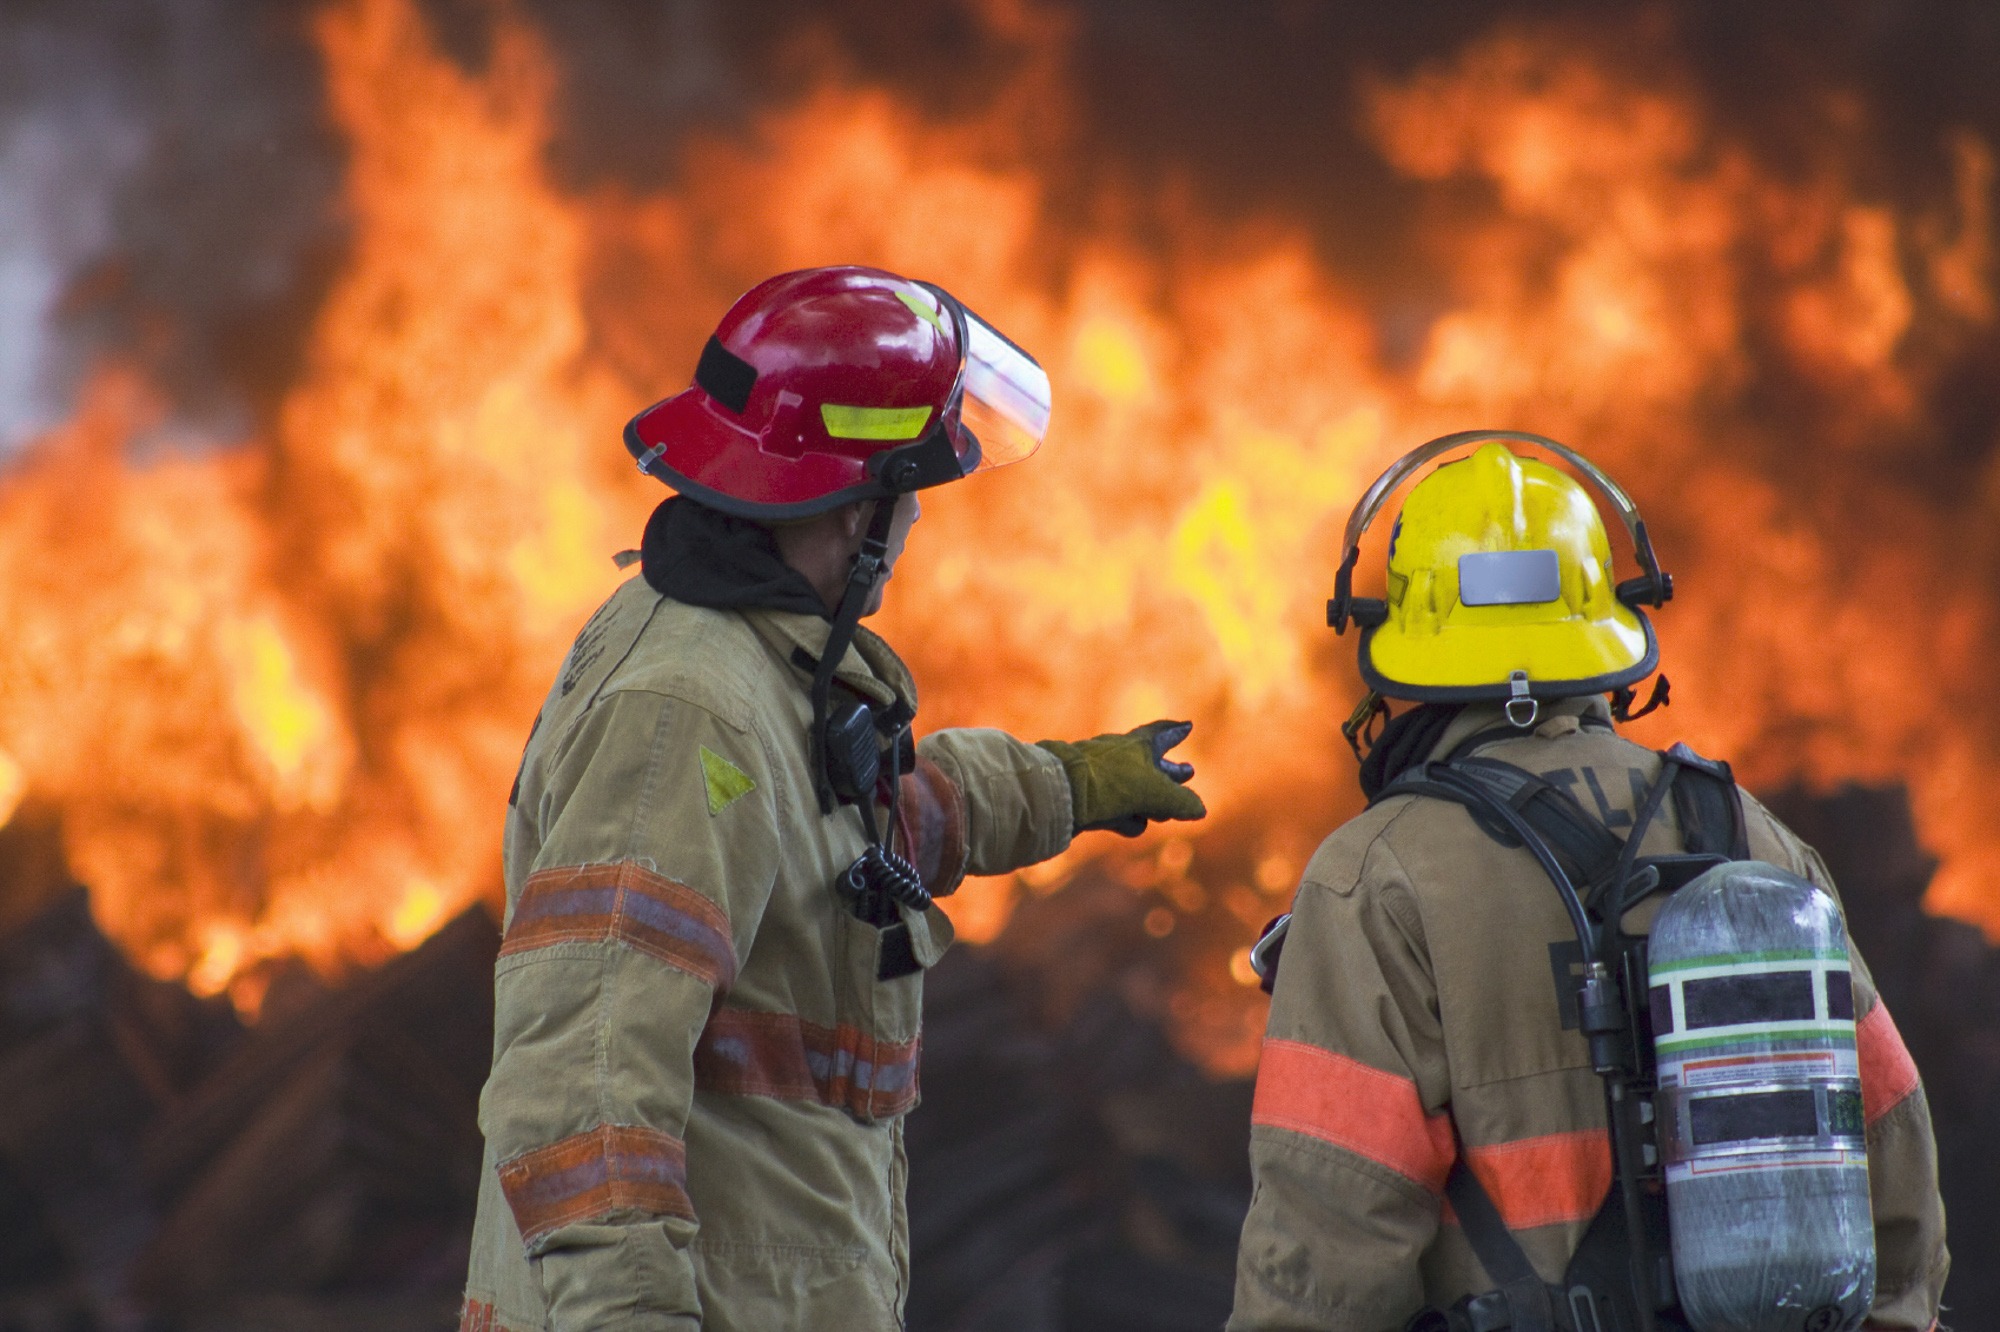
column 1453, row 1125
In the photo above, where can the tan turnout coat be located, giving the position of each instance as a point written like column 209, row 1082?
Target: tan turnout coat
column 694, row 1117
column 1417, row 992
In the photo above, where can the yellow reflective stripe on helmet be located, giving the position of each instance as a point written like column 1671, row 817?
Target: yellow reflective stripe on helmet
column 873, row 422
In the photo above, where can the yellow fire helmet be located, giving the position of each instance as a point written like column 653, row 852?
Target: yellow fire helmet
column 1500, row 581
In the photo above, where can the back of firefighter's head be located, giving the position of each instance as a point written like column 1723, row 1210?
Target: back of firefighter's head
column 1500, row 583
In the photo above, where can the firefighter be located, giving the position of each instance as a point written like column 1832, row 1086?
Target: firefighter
column 722, row 851
column 1429, row 1122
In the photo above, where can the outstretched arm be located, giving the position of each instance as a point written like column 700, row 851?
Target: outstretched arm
column 1009, row 800
column 1017, row 804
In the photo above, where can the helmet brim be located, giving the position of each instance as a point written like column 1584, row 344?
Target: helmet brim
column 1561, row 659
column 687, row 443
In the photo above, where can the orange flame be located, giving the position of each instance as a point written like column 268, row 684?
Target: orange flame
column 278, row 688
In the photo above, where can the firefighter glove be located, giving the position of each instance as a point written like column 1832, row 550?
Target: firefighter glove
column 1121, row 782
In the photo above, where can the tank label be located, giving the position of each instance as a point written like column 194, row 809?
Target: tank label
column 1760, row 1125
column 1773, row 1066
column 1791, row 1159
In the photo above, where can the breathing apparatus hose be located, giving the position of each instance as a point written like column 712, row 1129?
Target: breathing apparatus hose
column 1596, row 1000
column 1579, row 919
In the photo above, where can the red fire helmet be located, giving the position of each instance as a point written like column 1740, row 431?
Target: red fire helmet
column 831, row 385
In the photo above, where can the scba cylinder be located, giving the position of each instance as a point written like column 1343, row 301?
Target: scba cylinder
column 1759, row 1109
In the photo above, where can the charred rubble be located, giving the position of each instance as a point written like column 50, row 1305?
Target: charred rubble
column 165, row 1169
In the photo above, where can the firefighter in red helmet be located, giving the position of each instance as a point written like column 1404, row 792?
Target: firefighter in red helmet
column 723, row 849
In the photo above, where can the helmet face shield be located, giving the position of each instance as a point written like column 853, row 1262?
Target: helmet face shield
column 1006, row 402
column 1003, row 397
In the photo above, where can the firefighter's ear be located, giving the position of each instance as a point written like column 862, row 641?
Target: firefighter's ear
column 854, row 518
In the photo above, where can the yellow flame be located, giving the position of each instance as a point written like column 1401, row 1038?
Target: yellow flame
column 419, row 913
column 1111, row 361
column 1216, row 563
column 13, row 785
column 219, row 960
column 287, row 722
column 563, row 566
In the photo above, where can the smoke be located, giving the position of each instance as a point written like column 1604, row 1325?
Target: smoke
column 67, row 142
column 168, row 182
column 166, row 200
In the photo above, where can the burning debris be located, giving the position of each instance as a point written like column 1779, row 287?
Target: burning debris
column 162, row 1167
column 171, row 1170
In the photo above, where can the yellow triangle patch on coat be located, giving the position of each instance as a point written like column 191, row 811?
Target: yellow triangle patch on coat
column 726, row 782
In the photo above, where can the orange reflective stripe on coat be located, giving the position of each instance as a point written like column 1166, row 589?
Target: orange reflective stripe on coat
column 630, row 904
column 479, row 1316
column 1375, row 1115
column 1888, row 1074
column 1548, row 1180
column 611, row 1168
column 744, row 1053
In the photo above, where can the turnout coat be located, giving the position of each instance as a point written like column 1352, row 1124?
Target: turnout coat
column 694, row 1117
column 1418, row 994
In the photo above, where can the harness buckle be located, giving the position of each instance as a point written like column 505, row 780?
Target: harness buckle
column 1583, row 1310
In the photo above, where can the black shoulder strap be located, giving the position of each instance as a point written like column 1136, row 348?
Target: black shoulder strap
column 1587, row 849
column 1708, row 806
column 1519, row 1287
column 1485, row 1229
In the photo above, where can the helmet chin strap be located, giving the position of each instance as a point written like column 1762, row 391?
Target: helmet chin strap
column 863, row 577
column 880, row 879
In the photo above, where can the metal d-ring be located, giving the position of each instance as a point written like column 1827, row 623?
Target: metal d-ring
column 1522, row 707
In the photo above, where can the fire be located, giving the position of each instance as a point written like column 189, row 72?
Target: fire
column 278, row 686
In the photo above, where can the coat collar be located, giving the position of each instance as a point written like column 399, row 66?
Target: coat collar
column 871, row 667
column 1558, row 716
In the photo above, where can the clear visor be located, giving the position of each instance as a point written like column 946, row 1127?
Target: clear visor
column 1006, row 402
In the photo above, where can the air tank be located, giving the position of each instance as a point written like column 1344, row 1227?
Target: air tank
column 1759, row 1107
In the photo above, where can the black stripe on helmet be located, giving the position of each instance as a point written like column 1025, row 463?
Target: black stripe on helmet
column 725, row 376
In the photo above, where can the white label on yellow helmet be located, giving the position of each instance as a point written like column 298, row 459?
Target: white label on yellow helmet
column 1509, row 578
column 874, row 422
